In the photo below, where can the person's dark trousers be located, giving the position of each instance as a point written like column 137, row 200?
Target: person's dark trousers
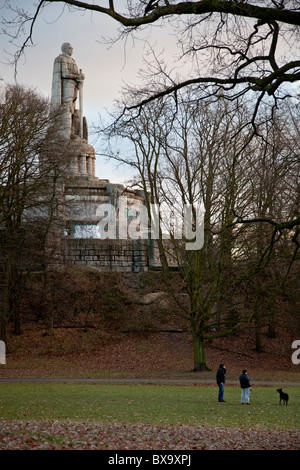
column 221, row 392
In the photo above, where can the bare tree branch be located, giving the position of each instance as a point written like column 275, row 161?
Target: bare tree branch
column 153, row 12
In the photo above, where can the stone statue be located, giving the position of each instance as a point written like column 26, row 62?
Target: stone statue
column 67, row 83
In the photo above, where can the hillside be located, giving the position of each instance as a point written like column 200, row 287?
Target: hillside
column 110, row 325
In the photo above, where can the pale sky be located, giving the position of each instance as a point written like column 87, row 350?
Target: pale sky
column 105, row 68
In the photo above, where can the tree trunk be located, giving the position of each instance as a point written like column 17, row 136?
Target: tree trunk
column 257, row 320
column 17, row 328
column 272, row 318
column 5, row 303
column 15, row 299
column 272, row 328
column 199, row 356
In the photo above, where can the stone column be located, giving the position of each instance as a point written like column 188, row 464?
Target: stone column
column 82, row 165
column 75, row 168
column 93, row 165
column 89, row 165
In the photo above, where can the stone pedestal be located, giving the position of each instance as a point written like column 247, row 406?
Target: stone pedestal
column 82, row 160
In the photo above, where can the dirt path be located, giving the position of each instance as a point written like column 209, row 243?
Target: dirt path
column 137, row 380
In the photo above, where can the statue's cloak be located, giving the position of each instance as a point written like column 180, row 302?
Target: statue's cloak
column 56, row 95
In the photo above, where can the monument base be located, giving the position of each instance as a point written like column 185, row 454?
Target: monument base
column 82, row 160
column 86, row 201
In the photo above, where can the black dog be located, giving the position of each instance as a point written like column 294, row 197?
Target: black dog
column 282, row 396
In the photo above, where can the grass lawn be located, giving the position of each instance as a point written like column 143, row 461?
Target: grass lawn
column 149, row 404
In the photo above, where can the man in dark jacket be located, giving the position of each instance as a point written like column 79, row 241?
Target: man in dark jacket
column 246, row 387
column 220, row 381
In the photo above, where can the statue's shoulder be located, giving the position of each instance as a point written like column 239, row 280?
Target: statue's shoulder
column 60, row 57
column 58, row 62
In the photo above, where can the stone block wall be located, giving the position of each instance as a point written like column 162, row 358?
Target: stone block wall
column 108, row 255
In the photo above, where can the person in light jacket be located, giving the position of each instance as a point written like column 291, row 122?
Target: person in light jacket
column 245, row 387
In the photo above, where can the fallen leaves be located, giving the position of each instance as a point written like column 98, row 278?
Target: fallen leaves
column 69, row 435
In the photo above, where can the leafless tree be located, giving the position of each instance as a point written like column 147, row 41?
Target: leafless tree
column 32, row 162
column 197, row 156
column 273, row 196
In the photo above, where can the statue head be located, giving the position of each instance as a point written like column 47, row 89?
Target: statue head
column 67, row 48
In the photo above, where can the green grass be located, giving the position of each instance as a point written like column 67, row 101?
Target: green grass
column 148, row 404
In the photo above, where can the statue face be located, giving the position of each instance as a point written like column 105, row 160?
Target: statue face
column 67, row 48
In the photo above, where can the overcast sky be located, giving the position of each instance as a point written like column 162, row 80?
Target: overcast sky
column 105, row 68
